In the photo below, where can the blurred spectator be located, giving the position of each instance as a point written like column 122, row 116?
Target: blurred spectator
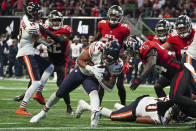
column 194, row 13
column 129, row 7
column 95, row 11
column 90, row 39
column 76, row 48
column 20, row 5
column 85, row 43
column 13, row 49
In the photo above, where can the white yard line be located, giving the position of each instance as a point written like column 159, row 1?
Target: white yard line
column 98, row 128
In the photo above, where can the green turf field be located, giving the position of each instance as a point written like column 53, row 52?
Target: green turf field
column 58, row 120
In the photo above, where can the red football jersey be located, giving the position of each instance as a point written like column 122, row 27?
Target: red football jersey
column 119, row 32
column 57, row 51
column 179, row 44
column 156, row 39
column 163, row 56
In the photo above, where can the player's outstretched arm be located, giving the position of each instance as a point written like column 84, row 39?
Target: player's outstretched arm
column 55, row 37
column 146, row 120
column 167, row 46
column 149, row 66
column 108, row 84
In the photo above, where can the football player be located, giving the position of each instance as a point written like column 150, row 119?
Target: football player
column 142, row 110
column 153, row 55
column 179, row 42
column 91, row 66
column 162, row 29
column 29, row 33
column 114, row 29
column 58, row 36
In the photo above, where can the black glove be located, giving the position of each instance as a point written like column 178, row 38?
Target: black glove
column 42, row 29
column 135, row 83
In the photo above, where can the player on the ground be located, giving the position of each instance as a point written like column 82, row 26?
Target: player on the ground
column 162, row 29
column 153, row 55
column 114, row 29
column 57, row 50
column 91, row 66
column 29, row 33
column 142, row 110
column 179, row 42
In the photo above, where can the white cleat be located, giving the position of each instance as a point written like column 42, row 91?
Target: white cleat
column 80, row 108
column 167, row 117
column 95, row 116
column 118, row 106
column 38, row 117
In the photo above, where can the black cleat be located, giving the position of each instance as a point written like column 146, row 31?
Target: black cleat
column 69, row 110
column 19, row 98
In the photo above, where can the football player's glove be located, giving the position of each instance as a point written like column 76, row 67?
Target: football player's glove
column 126, row 68
column 135, row 83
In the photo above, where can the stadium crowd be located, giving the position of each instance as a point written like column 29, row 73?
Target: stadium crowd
column 134, row 8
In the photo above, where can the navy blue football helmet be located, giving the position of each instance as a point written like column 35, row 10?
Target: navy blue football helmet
column 162, row 29
column 32, row 11
column 183, row 26
column 111, row 52
column 115, row 14
column 131, row 45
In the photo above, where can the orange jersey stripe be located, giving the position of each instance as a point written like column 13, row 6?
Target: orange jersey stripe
column 189, row 60
column 29, row 68
column 122, row 115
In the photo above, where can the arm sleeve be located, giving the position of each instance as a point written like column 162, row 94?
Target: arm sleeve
column 151, row 62
column 55, row 37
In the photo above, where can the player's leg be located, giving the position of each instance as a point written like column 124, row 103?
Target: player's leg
column 91, row 86
column 46, row 69
column 121, row 89
column 101, row 94
column 72, row 81
column 126, row 113
column 161, row 83
column 60, row 69
column 179, row 91
column 33, row 72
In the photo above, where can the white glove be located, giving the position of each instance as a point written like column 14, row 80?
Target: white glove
column 97, row 72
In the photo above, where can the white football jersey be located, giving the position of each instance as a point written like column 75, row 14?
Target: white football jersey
column 75, row 49
column 95, row 52
column 192, row 48
column 147, row 107
column 27, row 29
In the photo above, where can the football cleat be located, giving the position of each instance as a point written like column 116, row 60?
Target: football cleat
column 19, row 98
column 69, row 110
column 38, row 117
column 95, row 116
column 80, row 108
column 118, row 106
column 167, row 117
column 22, row 111
column 39, row 98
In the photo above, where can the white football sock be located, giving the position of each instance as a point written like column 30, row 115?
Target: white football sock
column 118, row 106
column 94, row 100
column 52, row 100
column 29, row 93
column 106, row 112
column 45, row 76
